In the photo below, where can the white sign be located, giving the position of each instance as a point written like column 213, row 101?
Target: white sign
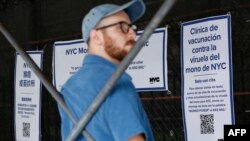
column 148, row 70
column 207, row 90
column 68, row 57
column 27, row 99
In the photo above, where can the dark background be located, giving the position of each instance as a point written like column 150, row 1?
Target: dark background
column 37, row 24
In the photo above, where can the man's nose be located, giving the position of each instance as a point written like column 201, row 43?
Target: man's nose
column 132, row 33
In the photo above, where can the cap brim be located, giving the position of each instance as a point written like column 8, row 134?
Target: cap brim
column 135, row 9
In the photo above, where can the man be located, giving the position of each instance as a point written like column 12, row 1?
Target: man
column 110, row 35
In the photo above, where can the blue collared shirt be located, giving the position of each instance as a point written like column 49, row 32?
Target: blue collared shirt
column 120, row 116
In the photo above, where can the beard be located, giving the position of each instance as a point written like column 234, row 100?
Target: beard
column 115, row 51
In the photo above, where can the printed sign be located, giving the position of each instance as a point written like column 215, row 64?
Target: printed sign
column 207, row 92
column 67, row 59
column 27, row 99
column 148, row 70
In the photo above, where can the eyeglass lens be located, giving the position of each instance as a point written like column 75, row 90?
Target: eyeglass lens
column 125, row 27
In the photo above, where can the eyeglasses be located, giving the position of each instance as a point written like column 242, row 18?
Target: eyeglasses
column 123, row 25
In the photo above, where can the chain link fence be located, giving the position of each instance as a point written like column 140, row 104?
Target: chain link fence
column 163, row 107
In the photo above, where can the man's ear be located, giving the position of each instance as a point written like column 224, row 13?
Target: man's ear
column 95, row 36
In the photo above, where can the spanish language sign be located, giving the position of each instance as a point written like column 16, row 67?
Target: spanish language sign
column 207, row 91
column 27, row 99
column 148, row 70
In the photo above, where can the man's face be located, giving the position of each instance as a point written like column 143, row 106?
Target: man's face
column 117, row 43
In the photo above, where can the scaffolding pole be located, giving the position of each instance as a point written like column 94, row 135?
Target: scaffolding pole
column 161, row 13
column 52, row 90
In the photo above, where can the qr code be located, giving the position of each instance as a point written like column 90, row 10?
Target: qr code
column 207, row 124
column 26, row 129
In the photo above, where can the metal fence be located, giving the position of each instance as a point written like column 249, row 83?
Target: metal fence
column 163, row 108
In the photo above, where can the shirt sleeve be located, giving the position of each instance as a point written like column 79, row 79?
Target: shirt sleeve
column 125, row 112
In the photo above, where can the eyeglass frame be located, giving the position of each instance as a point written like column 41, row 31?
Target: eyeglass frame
column 134, row 27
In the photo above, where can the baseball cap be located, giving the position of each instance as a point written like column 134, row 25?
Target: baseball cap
column 135, row 9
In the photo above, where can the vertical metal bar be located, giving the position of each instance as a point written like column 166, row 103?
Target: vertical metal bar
column 55, row 94
column 120, row 70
